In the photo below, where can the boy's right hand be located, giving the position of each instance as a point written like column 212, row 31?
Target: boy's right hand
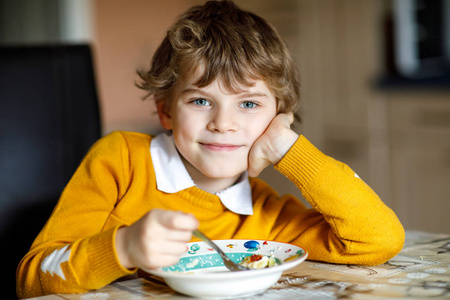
column 158, row 239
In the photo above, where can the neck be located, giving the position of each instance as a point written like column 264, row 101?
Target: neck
column 209, row 184
column 214, row 185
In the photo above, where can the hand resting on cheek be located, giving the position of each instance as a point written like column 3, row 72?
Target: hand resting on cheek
column 272, row 145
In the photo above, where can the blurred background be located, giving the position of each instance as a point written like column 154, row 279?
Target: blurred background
column 375, row 84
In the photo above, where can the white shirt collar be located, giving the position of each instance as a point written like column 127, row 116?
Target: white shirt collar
column 172, row 176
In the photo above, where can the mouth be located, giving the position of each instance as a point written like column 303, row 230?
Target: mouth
column 220, row 147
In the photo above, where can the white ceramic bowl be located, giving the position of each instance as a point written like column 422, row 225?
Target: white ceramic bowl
column 201, row 273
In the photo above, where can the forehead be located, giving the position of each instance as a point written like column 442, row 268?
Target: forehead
column 229, row 86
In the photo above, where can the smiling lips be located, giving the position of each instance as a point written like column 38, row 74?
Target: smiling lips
column 220, row 147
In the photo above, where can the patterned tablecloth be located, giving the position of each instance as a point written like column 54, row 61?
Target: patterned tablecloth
column 420, row 271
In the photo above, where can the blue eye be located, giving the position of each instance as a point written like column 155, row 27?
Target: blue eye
column 249, row 104
column 201, row 102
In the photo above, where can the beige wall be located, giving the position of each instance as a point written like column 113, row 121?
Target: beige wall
column 127, row 34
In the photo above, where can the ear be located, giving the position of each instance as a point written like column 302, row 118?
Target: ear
column 164, row 117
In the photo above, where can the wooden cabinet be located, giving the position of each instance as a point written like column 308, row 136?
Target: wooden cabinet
column 420, row 158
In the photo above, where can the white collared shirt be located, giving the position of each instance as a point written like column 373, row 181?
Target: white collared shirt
column 172, row 176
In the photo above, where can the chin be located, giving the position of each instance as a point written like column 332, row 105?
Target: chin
column 222, row 174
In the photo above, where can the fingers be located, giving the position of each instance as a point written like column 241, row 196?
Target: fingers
column 290, row 118
column 162, row 254
column 285, row 119
column 163, row 260
column 177, row 220
column 172, row 248
column 168, row 241
column 169, row 225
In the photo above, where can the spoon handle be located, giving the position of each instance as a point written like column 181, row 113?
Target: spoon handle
column 204, row 238
column 232, row 266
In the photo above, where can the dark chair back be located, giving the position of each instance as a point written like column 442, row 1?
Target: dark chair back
column 49, row 118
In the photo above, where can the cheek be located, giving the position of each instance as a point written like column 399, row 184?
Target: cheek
column 185, row 121
column 186, row 129
column 258, row 127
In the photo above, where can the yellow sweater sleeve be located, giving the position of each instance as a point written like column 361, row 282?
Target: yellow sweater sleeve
column 348, row 223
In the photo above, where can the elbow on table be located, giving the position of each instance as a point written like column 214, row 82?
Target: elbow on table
column 388, row 245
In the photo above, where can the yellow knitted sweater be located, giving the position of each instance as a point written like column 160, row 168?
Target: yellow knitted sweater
column 115, row 186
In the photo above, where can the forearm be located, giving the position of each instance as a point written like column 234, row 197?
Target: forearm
column 74, row 267
column 75, row 250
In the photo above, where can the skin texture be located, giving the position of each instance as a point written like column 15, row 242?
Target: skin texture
column 219, row 134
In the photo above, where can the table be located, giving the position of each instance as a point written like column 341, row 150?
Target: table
column 421, row 270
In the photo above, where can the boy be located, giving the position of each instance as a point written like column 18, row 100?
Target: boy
column 226, row 89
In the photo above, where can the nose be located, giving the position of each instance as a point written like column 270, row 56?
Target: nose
column 222, row 121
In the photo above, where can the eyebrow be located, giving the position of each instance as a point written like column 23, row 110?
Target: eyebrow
column 194, row 91
column 244, row 95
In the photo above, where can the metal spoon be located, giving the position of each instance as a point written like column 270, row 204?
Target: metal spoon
column 232, row 266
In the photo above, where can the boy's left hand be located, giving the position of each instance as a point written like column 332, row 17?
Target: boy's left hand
column 272, row 145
